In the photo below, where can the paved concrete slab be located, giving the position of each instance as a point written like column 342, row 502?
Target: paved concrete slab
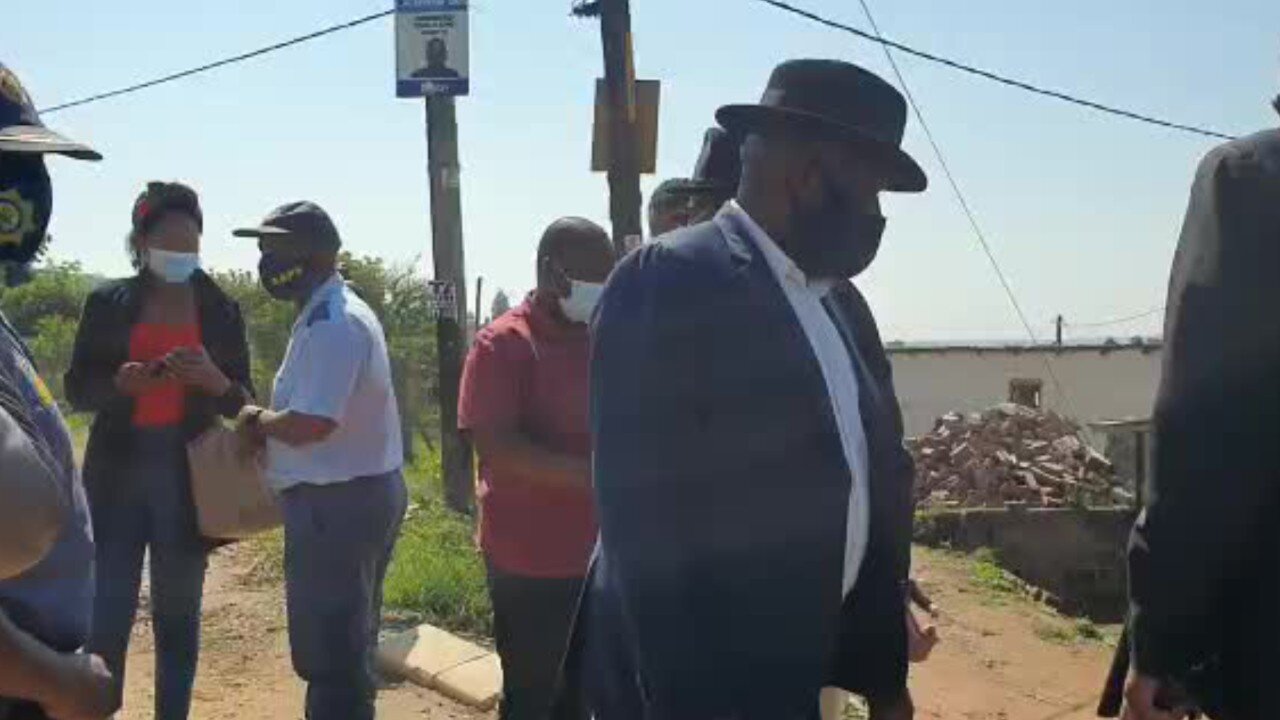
column 435, row 659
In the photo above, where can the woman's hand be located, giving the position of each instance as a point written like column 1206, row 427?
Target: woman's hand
column 135, row 378
column 194, row 368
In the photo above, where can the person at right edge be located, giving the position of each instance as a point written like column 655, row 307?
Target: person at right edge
column 1204, row 558
column 46, row 541
column 754, row 495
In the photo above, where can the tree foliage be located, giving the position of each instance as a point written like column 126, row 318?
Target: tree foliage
column 46, row 312
column 501, row 304
column 57, row 289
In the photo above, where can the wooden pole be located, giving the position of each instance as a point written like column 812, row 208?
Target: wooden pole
column 619, row 75
column 451, row 324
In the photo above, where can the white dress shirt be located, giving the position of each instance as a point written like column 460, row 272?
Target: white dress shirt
column 805, row 297
column 337, row 367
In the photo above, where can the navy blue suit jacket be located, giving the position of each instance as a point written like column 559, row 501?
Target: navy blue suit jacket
column 723, row 496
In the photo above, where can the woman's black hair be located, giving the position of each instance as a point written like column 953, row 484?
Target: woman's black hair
column 158, row 200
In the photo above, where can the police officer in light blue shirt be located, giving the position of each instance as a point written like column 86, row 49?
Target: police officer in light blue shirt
column 334, row 456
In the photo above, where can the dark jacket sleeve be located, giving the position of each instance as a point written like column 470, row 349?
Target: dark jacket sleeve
column 651, row 490
column 90, row 382
column 236, row 368
column 1213, row 487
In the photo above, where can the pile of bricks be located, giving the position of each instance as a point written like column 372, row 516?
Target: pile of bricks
column 1011, row 454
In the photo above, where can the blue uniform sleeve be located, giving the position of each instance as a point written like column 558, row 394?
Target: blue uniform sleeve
column 324, row 372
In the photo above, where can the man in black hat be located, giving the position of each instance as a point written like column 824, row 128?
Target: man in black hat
column 679, row 202
column 1204, row 559
column 334, row 455
column 754, row 496
column 46, row 549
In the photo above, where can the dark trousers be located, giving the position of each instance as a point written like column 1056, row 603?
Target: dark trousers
column 338, row 543
column 150, row 509
column 531, row 622
column 21, row 710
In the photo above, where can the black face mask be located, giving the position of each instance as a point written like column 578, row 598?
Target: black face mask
column 26, row 203
column 835, row 240
column 284, row 277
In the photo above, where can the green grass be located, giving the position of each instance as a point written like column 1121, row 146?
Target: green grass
column 437, row 572
column 986, row 574
column 1080, row 631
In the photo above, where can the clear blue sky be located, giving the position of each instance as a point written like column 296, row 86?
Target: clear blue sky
column 1083, row 210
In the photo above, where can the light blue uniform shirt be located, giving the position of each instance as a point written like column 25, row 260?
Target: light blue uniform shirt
column 337, row 367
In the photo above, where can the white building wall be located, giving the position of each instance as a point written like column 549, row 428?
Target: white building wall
column 1118, row 383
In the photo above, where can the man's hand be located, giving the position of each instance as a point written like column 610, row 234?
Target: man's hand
column 249, row 431
column 1140, row 701
column 900, row 708
column 134, row 378
column 83, row 690
column 917, row 596
column 921, row 639
column 194, row 368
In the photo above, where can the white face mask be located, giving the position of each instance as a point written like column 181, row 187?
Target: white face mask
column 172, row 267
column 582, row 300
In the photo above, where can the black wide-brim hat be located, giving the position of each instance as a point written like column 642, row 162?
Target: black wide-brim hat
column 840, row 101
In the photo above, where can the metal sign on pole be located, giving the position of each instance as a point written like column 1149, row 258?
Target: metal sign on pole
column 432, row 58
column 433, row 53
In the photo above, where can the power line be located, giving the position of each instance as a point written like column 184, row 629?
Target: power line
column 995, row 77
column 964, row 205
column 220, row 63
column 1119, row 320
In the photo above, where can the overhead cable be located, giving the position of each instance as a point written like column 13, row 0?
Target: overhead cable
column 978, row 234
column 996, row 77
column 218, row 63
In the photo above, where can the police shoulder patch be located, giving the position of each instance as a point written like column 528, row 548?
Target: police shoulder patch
column 319, row 313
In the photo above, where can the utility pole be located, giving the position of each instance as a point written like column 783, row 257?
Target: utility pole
column 451, row 323
column 620, row 82
column 1058, row 324
column 479, row 294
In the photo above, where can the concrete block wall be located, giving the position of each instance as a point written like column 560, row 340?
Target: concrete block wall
column 1076, row 555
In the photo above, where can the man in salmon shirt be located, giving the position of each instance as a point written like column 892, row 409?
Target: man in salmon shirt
column 524, row 403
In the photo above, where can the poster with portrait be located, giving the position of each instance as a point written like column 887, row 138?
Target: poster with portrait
column 432, row 48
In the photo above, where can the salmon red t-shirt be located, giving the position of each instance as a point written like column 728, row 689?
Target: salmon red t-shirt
column 528, row 370
column 165, row 404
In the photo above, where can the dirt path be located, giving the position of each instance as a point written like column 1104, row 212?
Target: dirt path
column 1002, row 657
column 245, row 672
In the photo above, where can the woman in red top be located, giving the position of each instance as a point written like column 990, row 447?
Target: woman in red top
column 158, row 358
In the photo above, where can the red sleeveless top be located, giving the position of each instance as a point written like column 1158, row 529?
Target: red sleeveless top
column 165, row 404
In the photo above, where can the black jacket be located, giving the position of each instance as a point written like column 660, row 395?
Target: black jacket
column 723, row 496
column 102, row 346
column 1204, row 560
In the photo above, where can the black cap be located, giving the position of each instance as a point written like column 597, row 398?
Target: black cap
column 719, row 164
column 303, row 224
column 21, row 130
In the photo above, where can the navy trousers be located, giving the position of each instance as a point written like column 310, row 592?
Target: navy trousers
column 149, row 511
column 338, row 543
